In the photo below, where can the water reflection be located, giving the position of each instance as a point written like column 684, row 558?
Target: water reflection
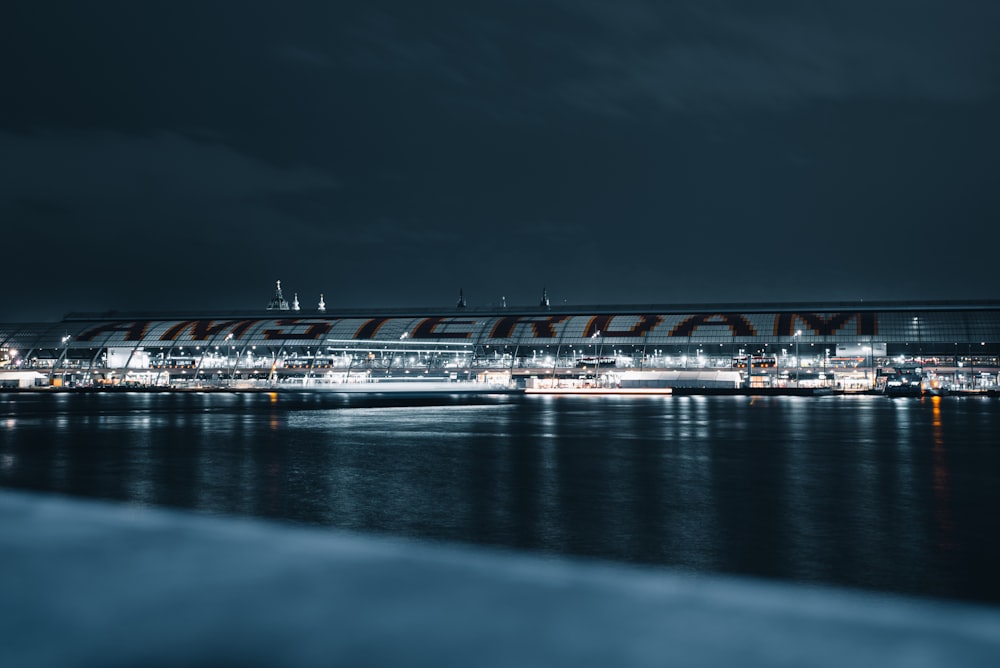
column 824, row 490
column 942, row 513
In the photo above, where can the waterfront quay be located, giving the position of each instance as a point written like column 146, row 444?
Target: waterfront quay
column 938, row 347
column 178, row 590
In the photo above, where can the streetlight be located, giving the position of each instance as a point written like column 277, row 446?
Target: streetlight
column 870, row 350
column 798, row 364
column 62, row 359
column 597, row 362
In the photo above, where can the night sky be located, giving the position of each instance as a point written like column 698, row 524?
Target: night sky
column 185, row 155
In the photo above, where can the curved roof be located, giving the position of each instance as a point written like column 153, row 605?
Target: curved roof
column 901, row 322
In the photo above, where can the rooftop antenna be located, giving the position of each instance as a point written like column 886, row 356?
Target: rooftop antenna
column 322, row 304
column 295, row 302
column 461, row 298
column 277, row 302
column 544, row 303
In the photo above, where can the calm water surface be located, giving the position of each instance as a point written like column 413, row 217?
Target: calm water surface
column 899, row 495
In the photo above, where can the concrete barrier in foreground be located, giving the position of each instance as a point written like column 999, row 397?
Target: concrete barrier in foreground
column 92, row 584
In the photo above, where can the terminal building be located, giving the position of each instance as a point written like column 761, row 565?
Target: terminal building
column 847, row 346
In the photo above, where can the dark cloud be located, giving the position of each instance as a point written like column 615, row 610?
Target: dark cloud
column 187, row 154
column 714, row 56
column 300, row 56
column 119, row 210
column 112, row 166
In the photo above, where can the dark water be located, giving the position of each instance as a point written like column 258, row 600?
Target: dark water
column 899, row 495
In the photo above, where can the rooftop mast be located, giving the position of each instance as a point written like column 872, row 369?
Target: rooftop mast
column 278, row 302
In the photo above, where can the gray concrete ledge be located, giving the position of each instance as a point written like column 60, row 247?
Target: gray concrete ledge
column 92, row 584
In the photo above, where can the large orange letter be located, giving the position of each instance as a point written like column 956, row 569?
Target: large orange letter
column 134, row 331
column 313, row 331
column 542, row 327
column 602, row 324
column 737, row 324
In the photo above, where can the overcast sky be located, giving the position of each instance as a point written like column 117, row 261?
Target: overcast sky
column 185, row 155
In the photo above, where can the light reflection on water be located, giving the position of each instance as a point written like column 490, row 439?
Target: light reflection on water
column 890, row 494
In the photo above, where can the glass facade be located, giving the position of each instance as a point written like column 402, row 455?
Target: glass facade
column 842, row 345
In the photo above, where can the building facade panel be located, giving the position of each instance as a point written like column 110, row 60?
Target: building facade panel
column 817, row 337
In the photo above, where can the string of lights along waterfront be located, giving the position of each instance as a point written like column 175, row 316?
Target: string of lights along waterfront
column 902, row 347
